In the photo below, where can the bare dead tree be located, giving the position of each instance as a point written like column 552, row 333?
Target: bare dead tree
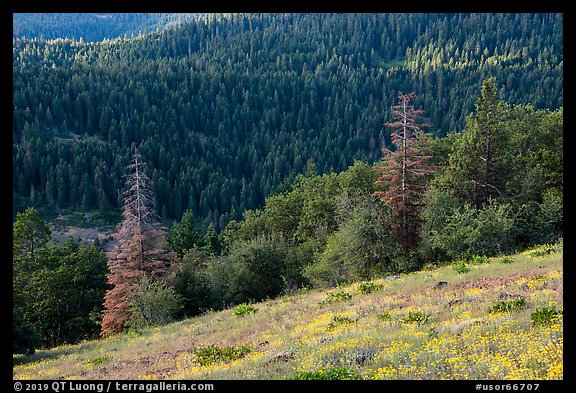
column 404, row 170
column 140, row 250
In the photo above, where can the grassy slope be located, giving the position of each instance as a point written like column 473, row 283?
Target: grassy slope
column 461, row 340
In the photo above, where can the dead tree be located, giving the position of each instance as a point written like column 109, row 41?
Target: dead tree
column 404, row 170
column 140, row 250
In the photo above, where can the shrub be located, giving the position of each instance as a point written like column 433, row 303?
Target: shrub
column 545, row 315
column 416, row 317
column 211, row 354
column 478, row 260
column 338, row 320
column 98, row 360
column 244, row 309
column 385, row 316
column 362, row 247
column 460, row 267
column 257, row 268
column 506, row 306
column 464, row 231
column 334, row 297
column 551, row 217
column 543, row 250
column 153, row 303
column 369, row 287
column 506, row 260
column 336, row 373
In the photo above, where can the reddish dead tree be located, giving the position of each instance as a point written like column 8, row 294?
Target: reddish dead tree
column 403, row 171
column 140, row 250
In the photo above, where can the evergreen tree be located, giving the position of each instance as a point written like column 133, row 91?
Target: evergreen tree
column 185, row 234
column 212, row 242
column 479, row 155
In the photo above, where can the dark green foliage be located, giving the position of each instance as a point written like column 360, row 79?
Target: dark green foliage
column 461, row 231
column 24, row 337
column 62, row 290
column 528, row 178
column 550, row 220
column 363, row 246
column 262, row 159
column 185, row 234
column 507, row 306
column 90, row 26
column 191, row 283
column 336, row 373
column 258, row 269
column 29, row 242
column 211, row 354
column 545, row 315
column 218, row 141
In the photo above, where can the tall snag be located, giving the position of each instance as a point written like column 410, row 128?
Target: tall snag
column 140, row 250
column 403, row 171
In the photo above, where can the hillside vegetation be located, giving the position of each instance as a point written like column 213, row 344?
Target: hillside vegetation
column 295, row 160
column 497, row 318
column 226, row 108
column 91, row 26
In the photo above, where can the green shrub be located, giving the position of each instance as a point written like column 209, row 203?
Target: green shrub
column 98, row 360
column 244, row 309
column 546, row 249
column 338, row 320
column 506, row 306
column 506, row 260
column 460, row 267
column 385, row 316
column 257, row 269
column 478, row 260
column 460, row 231
column 336, row 373
column 363, row 246
column 214, row 354
column 369, row 287
column 153, row 303
column 416, row 317
column 545, row 315
column 334, row 297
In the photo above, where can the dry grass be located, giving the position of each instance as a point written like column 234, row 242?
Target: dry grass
column 461, row 339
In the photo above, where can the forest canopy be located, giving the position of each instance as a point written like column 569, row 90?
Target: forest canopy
column 227, row 108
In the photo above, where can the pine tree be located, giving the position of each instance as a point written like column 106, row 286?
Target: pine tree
column 184, row 234
column 478, row 162
column 140, row 251
column 403, row 171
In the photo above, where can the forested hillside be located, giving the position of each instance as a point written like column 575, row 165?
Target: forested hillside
column 246, row 157
column 90, row 27
column 227, row 109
